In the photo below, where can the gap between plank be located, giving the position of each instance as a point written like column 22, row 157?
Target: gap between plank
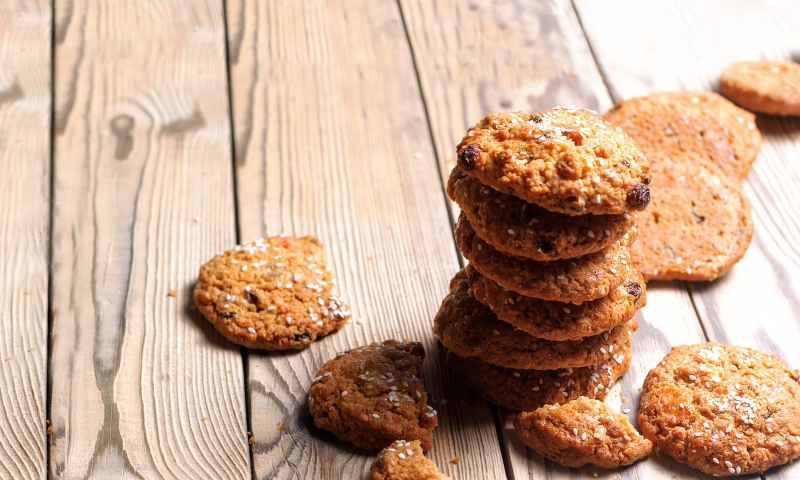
column 238, row 234
column 436, row 153
column 51, row 198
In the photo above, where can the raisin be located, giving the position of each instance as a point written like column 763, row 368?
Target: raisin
column 639, row 196
column 226, row 314
column 634, row 289
column 302, row 337
column 536, row 119
column 546, row 243
column 469, row 157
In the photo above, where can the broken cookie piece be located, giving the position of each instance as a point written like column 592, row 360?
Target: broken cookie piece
column 404, row 460
column 372, row 396
column 582, row 431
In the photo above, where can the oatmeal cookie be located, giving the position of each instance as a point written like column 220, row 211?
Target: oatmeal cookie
column 372, row 396
column 723, row 410
column 470, row 329
column 700, row 124
column 573, row 280
column 271, row 294
column 698, row 225
column 582, row 431
column 516, row 227
column 517, row 389
column 564, row 159
column 764, row 86
column 556, row 320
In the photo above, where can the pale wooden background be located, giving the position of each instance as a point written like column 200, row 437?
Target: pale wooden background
column 139, row 138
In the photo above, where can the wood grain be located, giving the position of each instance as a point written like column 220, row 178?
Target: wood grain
column 143, row 194
column 332, row 141
column 482, row 56
column 756, row 303
column 25, row 86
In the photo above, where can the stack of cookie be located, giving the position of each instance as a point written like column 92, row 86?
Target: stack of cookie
column 543, row 312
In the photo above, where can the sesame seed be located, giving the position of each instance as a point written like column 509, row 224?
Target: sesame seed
column 575, row 431
column 591, row 234
column 731, row 469
column 401, row 456
column 375, row 415
column 583, row 436
column 715, row 460
column 607, row 256
column 510, row 231
column 780, row 444
column 692, row 378
column 289, row 320
column 735, row 450
column 566, row 310
column 495, row 332
column 627, row 437
column 516, row 374
column 738, row 470
column 244, row 268
column 535, row 389
column 607, row 232
column 251, row 330
column 344, row 392
column 697, row 434
column 739, row 435
column 626, row 411
column 728, row 463
column 553, row 407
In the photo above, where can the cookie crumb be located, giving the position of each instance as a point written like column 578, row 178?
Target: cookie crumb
column 172, row 293
column 455, row 460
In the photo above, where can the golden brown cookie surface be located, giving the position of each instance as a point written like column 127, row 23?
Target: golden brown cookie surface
column 763, row 86
column 272, row 294
column 404, row 460
column 556, row 320
column 372, row 396
column 516, row 227
column 517, row 389
column 573, row 280
column 698, row 225
column 721, row 409
column 582, row 431
column 564, row 159
column 470, row 329
column 702, row 124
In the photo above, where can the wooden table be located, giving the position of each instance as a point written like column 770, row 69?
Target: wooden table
column 139, row 138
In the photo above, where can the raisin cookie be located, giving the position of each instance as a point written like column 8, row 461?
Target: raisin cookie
column 469, row 328
column 517, row 389
column 556, row 320
column 404, row 460
column 516, row 227
column 372, row 396
column 582, row 431
column 723, row 410
column 573, row 280
column 764, row 86
column 564, row 159
column 271, row 294
column 697, row 227
column 703, row 124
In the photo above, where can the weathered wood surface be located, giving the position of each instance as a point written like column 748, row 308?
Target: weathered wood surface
column 345, row 120
column 24, row 235
column 143, row 195
column 756, row 304
column 332, row 140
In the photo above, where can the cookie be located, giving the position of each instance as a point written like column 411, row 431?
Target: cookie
column 372, row 396
column 271, row 294
column 556, row 320
column 469, row 328
column 697, row 226
column 703, row 124
column 573, row 280
column 765, row 86
column 564, row 159
column 516, row 389
column 582, row 431
column 721, row 409
column 404, row 460
column 516, row 227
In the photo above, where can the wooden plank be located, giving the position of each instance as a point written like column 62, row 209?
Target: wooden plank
column 756, row 304
column 332, row 141
column 482, row 56
column 25, row 86
column 143, row 192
